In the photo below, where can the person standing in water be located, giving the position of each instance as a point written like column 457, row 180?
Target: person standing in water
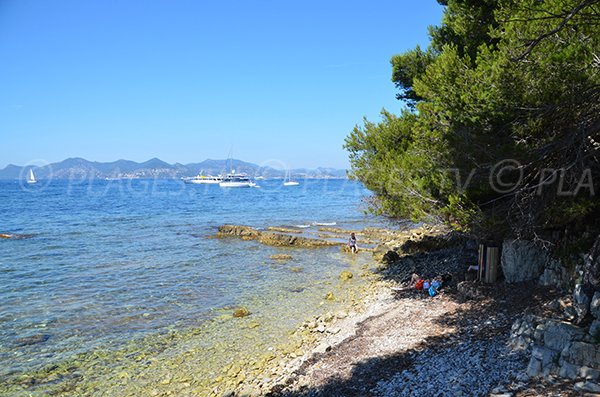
column 352, row 243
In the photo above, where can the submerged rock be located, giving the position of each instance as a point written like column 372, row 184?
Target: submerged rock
column 15, row 236
column 329, row 296
column 32, row 340
column 284, row 229
column 241, row 312
column 346, row 275
column 281, row 257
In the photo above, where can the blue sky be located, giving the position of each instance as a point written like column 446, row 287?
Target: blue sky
column 189, row 80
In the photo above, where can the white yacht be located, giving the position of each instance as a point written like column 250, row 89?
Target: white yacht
column 31, row 177
column 204, row 180
column 236, row 180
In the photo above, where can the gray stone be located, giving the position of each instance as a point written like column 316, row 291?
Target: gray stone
column 522, row 260
column 558, row 335
column 595, row 305
column 581, row 301
column 589, row 373
column 568, row 371
column 588, row 386
column 582, row 354
column 544, row 361
column 523, row 332
column 595, row 330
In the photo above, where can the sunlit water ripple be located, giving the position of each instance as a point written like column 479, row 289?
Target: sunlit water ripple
column 109, row 262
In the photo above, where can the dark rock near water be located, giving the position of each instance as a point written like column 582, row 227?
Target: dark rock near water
column 390, row 257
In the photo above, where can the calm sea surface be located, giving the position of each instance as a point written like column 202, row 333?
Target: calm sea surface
column 107, row 263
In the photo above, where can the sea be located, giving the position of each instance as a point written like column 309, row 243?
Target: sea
column 110, row 287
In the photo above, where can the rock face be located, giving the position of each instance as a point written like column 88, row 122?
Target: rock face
column 595, row 305
column 591, row 269
column 522, row 261
column 581, row 302
column 555, row 275
column 557, row 348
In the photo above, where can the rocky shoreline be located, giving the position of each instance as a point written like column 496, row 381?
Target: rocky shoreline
column 404, row 343
column 380, row 340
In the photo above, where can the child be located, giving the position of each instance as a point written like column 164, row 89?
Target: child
column 352, row 243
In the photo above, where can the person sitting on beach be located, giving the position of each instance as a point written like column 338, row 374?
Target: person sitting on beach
column 352, row 243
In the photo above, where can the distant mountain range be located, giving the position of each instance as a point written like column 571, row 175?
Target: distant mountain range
column 78, row 168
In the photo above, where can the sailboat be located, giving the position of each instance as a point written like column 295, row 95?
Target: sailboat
column 31, row 177
column 288, row 182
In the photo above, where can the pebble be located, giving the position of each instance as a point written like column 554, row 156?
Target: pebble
column 470, row 369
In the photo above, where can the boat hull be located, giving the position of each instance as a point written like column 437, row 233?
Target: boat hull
column 237, row 184
column 203, row 182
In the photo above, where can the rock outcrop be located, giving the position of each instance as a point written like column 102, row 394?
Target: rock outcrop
column 286, row 240
column 276, row 239
column 237, row 231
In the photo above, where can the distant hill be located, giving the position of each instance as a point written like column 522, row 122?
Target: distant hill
column 79, row 168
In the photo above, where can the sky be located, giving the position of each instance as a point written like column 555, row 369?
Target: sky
column 265, row 81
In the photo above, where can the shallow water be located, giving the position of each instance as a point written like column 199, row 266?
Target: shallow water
column 118, row 270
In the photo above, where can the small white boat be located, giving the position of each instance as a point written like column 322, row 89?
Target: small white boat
column 31, row 177
column 236, row 180
column 288, row 182
column 204, row 180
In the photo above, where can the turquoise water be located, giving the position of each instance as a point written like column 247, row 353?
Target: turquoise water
column 106, row 263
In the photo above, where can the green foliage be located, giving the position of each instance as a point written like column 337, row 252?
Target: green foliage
column 506, row 80
column 405, row 68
